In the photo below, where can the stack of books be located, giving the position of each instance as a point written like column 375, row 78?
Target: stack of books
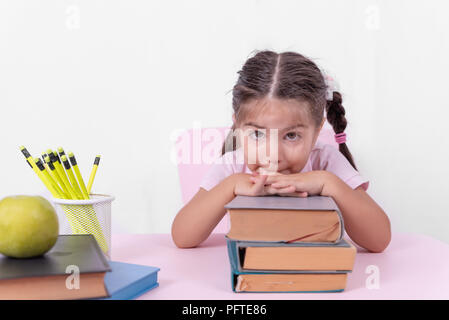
column 287, row 244
column 75, row 268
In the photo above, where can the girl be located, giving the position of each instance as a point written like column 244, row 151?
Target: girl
column 279, row 102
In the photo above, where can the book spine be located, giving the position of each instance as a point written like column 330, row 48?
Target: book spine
column 342, row 224
column 232, row 253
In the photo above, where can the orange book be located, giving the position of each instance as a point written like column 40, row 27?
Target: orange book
column 287, row 257
column 285, row 219
column 53, row 288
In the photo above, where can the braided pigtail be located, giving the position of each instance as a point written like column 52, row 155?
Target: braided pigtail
column 336, row 117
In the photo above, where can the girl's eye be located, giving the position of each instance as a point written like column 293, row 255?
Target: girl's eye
column 257, row 135
column 292, row 136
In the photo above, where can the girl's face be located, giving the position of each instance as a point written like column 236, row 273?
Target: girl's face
column 278, row 136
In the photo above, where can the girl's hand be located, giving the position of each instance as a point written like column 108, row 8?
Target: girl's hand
column 298, row 184
column 246, row 186
column 254, row 185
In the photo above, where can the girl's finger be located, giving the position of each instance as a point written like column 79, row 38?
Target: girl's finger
column 255, row 179
column 287, row 189
column 274, row 178
column 295, row 194
column 260, row 183
column 281, row 184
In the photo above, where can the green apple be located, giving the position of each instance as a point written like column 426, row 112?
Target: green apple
column 28, row 226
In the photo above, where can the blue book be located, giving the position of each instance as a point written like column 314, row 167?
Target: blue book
column 129, row 281
column 281, row 280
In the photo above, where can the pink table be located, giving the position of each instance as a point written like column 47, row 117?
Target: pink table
column 414, row 266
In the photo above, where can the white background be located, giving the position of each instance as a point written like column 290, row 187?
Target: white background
column 117, row 78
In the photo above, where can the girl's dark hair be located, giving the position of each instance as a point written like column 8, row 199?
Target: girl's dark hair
column 287, row 75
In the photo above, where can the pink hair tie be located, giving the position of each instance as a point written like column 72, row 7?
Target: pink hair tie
column 340, row 138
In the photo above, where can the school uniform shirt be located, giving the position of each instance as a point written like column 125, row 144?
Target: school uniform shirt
column 322, row 157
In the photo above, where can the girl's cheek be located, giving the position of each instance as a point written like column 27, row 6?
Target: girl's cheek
column 296, row 157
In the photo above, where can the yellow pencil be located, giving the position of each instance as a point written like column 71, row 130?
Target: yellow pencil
column 33, row 166
column 29, row 159
column 46, row 165
column 56, row 162
column 47, row 183
column 43, row 159
column 93, row 172
column 72, row 178
column 55, row 175
column 48, row 177
column 78, row 175
column 61, row 152
column 54, row 153
column 52, row 158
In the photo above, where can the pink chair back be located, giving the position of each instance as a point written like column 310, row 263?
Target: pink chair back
column 197, row 148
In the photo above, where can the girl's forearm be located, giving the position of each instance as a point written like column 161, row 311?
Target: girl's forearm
column 198, row 218
column 365, row 222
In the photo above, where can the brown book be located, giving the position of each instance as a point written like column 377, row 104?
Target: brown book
column 285, row 219
column 290, row 257
column 52, row 276
column 281, row 282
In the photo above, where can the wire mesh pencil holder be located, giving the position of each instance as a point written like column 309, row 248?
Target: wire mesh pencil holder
column 91, row 216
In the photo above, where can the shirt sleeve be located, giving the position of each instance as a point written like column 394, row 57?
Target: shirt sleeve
column 218, row 171
column 332, row 160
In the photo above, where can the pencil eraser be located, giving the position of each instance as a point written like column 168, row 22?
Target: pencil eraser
column 25, row 152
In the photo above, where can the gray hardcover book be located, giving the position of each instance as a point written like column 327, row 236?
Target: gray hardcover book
column 312, row 203
column 283, row 203
column 80, row 250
